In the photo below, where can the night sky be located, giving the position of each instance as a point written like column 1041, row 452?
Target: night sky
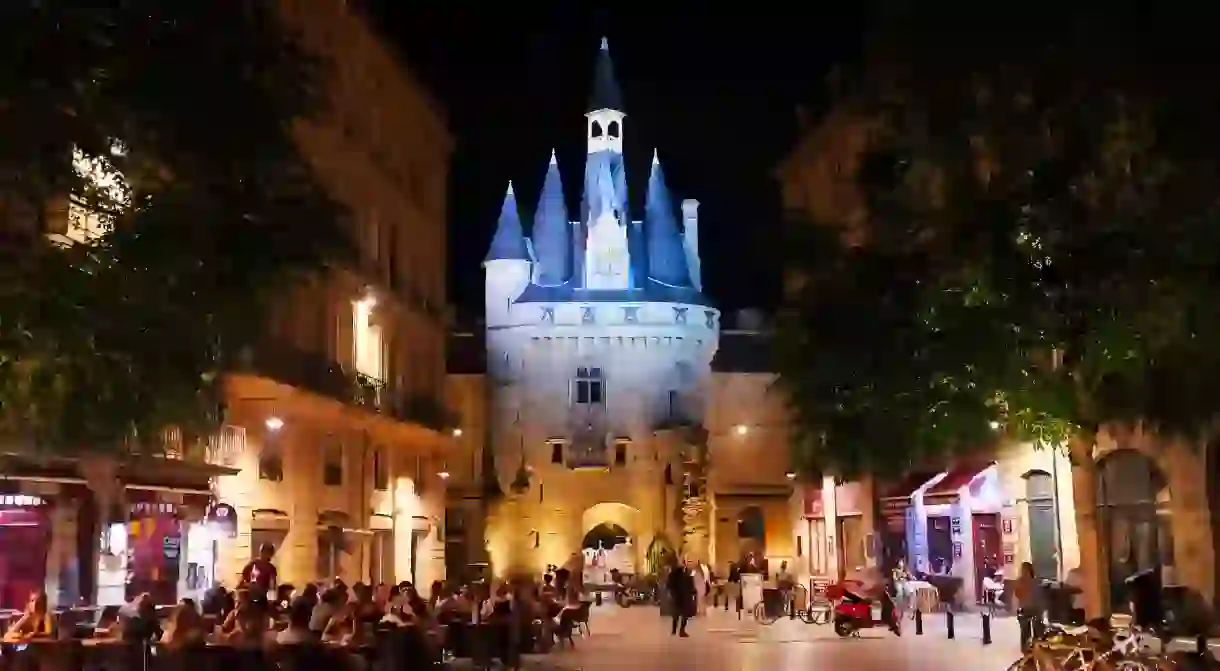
column 714, row 91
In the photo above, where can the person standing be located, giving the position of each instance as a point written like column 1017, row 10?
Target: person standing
column 1030, row 605
column 681, row 587
column 260, row 575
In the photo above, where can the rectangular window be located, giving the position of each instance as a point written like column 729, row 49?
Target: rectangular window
column 332, row 464
column 620, row 454
column 330, row 548
column 590, row 387
column 381, row 474
column 271, row 464
column 556, row 452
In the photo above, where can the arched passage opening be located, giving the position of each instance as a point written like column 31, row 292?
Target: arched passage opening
column 1133, row 505
column 610, row 535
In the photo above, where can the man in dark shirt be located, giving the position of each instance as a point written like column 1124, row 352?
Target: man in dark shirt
column 260, row 576
column 681, row 586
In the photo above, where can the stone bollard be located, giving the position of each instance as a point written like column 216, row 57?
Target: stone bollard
column 918, row 622
column 949, row 624
column 986, row 629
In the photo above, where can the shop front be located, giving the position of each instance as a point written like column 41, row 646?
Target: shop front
column 903, row 537
column 962, row 511
column 164, row 546
column 25, row 536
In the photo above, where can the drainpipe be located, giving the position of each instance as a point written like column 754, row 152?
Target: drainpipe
column 1058, row 521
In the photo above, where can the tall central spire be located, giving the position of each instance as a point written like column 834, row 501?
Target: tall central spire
column 606, row 95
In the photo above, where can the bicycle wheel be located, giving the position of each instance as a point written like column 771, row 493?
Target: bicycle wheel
column 761, row 614
column 816, row 614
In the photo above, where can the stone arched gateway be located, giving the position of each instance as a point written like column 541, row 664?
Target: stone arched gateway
column 1133, row 505
column 615, row 528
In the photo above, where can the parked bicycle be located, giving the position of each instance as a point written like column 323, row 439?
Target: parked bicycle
column 812, row 608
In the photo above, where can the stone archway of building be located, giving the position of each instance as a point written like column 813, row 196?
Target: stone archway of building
column 752, row 532
column 616, row 520
column 1133, row 498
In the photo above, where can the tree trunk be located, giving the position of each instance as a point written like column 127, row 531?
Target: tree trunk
column 101, row 477
column 1094, row 555
column 1212, row 460
column 695, row 505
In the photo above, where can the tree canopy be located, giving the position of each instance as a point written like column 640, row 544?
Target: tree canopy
column 1038, row 258
column 165, row 131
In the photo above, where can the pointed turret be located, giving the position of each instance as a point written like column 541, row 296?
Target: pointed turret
column 508, row 243
column 666, row 256
column 606, row 95
column 551, row 235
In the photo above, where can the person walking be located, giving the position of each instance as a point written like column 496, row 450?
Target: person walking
column 681, row 587
column 733, row 589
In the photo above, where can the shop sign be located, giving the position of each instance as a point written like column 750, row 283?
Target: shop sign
column 955, row 526
column 1007, row 526
column 223, row 517
column 957, row 550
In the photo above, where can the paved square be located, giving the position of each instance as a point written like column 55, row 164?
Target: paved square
column 638, row 639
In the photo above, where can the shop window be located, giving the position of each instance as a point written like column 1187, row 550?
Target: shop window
column 556, row 452
column 620, row 453
column 381, row 559
column 331, row 547
column 332, row 464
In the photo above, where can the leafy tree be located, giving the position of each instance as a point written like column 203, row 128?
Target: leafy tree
column 166, row 129
column 1038, row 256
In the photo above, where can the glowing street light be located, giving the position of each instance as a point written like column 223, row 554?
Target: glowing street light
column 457, row 433
column 741, row 429
column 274, row 423
column 443, row 475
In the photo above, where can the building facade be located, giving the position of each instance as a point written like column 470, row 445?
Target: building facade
column 1131, row 501
column 341, row 408
column 597, row 410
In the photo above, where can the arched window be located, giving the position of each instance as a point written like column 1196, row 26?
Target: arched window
column 1133, row 507
column 612, row 130
column 1040, row 511
column 596, row 130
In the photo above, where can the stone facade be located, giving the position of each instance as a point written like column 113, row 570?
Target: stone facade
column 345, row 428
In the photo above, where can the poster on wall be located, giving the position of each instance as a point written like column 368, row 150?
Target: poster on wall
column 223, row 518
column 1007, row 525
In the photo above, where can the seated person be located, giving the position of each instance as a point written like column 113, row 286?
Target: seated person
column 35, row 622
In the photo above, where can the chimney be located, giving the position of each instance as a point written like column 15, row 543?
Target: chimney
column 690, row 228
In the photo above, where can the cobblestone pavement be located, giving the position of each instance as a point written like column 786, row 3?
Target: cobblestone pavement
column 638, row 639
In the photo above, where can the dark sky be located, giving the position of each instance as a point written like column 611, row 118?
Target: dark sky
column 714, row 92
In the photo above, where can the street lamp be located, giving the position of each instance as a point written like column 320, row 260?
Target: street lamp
column 274, row 423
column 457, row 433
column 741, row 429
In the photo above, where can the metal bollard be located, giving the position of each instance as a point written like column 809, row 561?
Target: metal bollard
column 986, row 629
column 949, row 624
column 918, row 622
column 1201, row 645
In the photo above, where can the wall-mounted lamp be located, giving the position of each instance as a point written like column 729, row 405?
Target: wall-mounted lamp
column 741, row 429
column 457, row 433
column 995, row 426
column 274, row 423
column 443, row 475
column 790, row 475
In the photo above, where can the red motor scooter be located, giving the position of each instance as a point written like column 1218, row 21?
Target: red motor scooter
column 852, row 612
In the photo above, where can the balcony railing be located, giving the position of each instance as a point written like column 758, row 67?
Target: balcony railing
column 315, row 372
column 222, row 448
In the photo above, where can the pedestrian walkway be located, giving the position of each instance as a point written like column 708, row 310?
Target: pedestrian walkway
column 638, row 638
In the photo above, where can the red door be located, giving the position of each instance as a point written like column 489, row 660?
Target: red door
column 986, row 547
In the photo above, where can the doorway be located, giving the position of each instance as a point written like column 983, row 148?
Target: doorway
column 940, row 545
column 850, row 545
column 986, row 547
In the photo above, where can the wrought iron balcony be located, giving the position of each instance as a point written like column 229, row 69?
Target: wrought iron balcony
column 425, row 410
column 222, row 448
column 286, row 363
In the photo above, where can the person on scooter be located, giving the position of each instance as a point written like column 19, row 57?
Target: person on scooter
column 867, row 584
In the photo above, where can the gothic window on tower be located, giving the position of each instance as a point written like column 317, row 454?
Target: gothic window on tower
column 548, row 315
column 631, row 315
column 612, row 129
column 680, row 315
column 586, row 315
column 596, row 131
column 590, row 387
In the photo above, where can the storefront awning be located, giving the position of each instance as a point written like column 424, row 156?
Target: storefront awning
column 897, row 498
column 959, row 476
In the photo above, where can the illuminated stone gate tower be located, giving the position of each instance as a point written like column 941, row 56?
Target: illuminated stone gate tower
column 599, row 345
